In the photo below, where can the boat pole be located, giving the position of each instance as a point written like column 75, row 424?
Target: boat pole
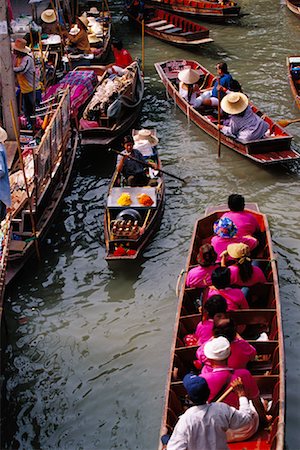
column 25, row 180
column 219, row 117
column 143, row 45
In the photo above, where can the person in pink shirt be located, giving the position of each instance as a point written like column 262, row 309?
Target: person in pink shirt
column 200, row 276
column 221, row 286
column 245, row 221
column 215, row 305
column 242, row 272
column 226, row 233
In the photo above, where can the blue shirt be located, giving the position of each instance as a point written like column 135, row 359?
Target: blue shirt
column 131, row 167
column 5, row 195
column 225, row 80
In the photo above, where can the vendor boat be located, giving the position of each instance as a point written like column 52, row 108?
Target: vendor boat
column 114, row 107
column 172, row 29
column 209, row 10
column 268, row 368
column 293, row 65
column 132, row 214
column 47, row 170
column 271, row 150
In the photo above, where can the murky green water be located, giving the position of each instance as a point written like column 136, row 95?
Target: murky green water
column 88, row 368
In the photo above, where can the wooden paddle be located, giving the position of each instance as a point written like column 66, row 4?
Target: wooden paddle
column 148, row 165
column 285, row 122
column 219, row 118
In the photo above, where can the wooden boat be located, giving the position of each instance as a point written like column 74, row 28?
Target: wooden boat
column 48, row 169
column 108, row 117
column 275, row 149
column 293, row 65
column 269, row 367
column 172, row 29
column 294, row 6
column 5, row 234
column 128, row 229
column 208, row 10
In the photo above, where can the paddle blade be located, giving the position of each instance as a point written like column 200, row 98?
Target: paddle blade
column 284, row 122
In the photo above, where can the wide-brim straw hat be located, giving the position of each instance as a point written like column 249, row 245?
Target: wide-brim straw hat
column 234, row 103
column 20, row 46
column 74, row 30
column 84, row 21
column 189, row 76
column 48, row 16
column 93, row 10
column 93, row 39
column 3, row 135
column 146, row 135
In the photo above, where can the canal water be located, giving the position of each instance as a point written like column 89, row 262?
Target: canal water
column 88, row 347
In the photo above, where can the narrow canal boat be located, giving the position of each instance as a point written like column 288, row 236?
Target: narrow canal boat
column 5, row 234
column 293, row 65
column 271, row 150
column 268, row 368
column 208, row 10
column 172, row 29
column 133, row 214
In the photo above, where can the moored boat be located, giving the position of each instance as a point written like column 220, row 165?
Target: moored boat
column 271, row 150
column 208, row 10
column 129, row 227
column 5, row 234
column 293, row 65
column 294, row 6
column 172, row 29
column 268, row 368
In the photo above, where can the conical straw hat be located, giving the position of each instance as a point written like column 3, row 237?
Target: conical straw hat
column 188, row 76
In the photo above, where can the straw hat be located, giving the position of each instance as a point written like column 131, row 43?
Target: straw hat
column 145, row 135
column 234, row 103
column 20, row 46
column 93, row 10
column 3, row 135
column 93, row 39
column 217, row 348
column 48, row 16
column 74, row 30
column 238, row 251
column 188, row 76
column 84, row 21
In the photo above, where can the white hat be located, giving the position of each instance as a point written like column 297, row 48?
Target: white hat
column 48, row 16
column 93, row 39
column 146, row 135
column 188, row 76
column 3, row 135
column 93, row 10
column 217, row 348
column 91, row 20
column 74, row 30
column 234, row 103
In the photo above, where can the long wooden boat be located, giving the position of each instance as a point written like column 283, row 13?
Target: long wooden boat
column 275, row 149
column 208, row 10
column 172, row 29
column 269, row 367
column 128, row 229
column 294, row 6
column 293, row 65
column 48, row 169
column 106, row 118
column 5, row 235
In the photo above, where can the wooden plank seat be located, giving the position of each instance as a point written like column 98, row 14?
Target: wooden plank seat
column 187, row 33
column 165, row 27
column 174, row 30
column 157, row 23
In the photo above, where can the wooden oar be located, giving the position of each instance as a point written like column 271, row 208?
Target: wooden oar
column 143, row 46
column 148, row 165
column 227, row 392
column 285, row 122
column 219, row 118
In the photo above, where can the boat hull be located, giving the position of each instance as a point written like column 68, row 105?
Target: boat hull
column 293, row 61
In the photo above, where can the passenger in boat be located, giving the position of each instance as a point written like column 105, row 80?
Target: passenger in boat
column 221, row 286
column 241, row 352
column 245, row 221
column 226, row 233
column 188, row 88
column 132, row 170
column 217, row 351
column 242, row 272
column 203, row 426
column 244, row 124
column 79, row 43
column 135, row 8
column 122, row 58
column 215, row 305
column 209, row 96
column 200, row 276
column 5, row 195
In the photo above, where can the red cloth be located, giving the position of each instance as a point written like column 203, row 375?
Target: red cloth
column 122, row 58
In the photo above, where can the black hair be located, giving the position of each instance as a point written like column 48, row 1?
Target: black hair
column 236, row 202
column 226, row 328
column 223, row 66
column 221, row 277
column 245, row 269
column 127, row 139
column 117, row 43
column 235, row 86
column 214, row 305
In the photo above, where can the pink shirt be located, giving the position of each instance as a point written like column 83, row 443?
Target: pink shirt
column 218, row 377
column 234, row 297
column 241, row 352
column 200, row 277
column 245, row 222
column 257, row 276
column 220, row 244
column 204, row 331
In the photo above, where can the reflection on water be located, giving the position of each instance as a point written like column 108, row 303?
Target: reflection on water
column 88, row 345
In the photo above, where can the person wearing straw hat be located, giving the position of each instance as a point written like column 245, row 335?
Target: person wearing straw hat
column 49, row 22
column 5, row 196
column 187, row 85
column 79, row 43
column 244, row 124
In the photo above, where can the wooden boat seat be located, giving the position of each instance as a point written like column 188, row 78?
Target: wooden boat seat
column 157, row 23
column 174, row 30
column 187, row 33
column 165, row 27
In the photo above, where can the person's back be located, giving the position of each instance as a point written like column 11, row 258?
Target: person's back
column 245, row 222
column 256, row 277
column 221, row 286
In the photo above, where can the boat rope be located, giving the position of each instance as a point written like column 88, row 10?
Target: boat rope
column 178, row 286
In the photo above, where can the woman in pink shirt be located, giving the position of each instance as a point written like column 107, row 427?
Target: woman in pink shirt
column 221, row 286
column 213, row 306
column 200, row 276
column 245, row 221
